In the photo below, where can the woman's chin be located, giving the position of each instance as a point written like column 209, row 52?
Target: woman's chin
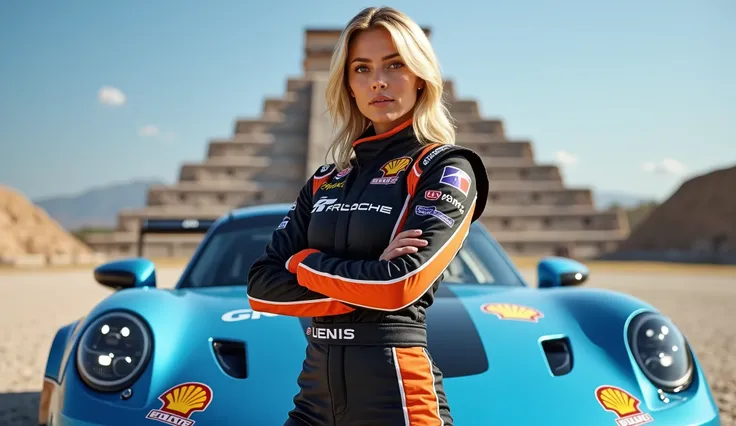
column 386, row 118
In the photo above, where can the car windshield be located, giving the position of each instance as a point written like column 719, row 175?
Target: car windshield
column 229, row 252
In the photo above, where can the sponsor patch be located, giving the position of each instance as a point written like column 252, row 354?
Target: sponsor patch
column 434, row 153
column 343, row 173
column 283, row 223
column 329, row 185
column 456, row 178
column 390, row 171
column 293, row 206
column 180, row 402
column 454, row 201
column 623, row 404
column 513, row 312
column 245, row 314
column 432, row 194
column 325, row 204
column 331, row 333
column 323, row 171
column 432, row 211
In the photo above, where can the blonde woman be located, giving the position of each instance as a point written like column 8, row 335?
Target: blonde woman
column 366, row 243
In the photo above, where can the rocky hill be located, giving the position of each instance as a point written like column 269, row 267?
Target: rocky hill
column 699, row 220
column 28, row 232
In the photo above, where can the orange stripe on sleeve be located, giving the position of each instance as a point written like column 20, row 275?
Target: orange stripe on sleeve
column 412, row 180
column 387, row 294
column 416, row 378
column 317, row 182
column 316, row 308
column 296, row 259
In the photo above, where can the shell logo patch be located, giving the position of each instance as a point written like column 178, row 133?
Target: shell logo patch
column 623, row 404
column 511, row 311
column 179, row 402
column 391, row 170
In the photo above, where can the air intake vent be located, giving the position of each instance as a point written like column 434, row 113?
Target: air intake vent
column 559, row 355
column 232, row 358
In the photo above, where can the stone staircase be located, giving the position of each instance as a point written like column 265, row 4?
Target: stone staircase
column 268, row 158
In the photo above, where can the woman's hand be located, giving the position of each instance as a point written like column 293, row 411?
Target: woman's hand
column 405, row 242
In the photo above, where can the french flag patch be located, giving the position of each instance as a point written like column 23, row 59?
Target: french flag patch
column 456, row 178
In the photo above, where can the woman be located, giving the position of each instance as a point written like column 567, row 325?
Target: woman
column 366, row 243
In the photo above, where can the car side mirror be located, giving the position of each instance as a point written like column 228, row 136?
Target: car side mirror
column 560, row 272
column 126, row 273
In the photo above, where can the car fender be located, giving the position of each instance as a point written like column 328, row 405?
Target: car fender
column 60, row 350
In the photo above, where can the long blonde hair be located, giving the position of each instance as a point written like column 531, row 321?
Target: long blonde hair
column 431, row 120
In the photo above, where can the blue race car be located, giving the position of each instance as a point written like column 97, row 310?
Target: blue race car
column 555, row 354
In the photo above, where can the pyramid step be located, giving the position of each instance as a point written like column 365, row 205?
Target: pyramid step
column 130, row 220
column 578, row 244
column 471, row 140
column 506, row 162
column 505, row 170
column 227, row 193
column 260, row 144
column 525, row 185
column 273, row 122
column 244, row 167
column 539, row 211
column 545, row 197
column 463, row 117
column 561, row 236
column 288, row 105
column 464, row 106
column 448, row 89
column 482, row 126
column 112, row 242
column 298, row 84
column 491, row 149
column 593, row 221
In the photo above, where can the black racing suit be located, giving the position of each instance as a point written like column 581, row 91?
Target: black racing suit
column 366, row 360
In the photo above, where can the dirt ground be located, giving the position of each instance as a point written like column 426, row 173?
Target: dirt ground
column 34, row 304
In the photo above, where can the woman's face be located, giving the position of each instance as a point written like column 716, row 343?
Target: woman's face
column 384, row 88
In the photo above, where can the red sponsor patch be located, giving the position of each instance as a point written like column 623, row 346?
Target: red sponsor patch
column 432, row 194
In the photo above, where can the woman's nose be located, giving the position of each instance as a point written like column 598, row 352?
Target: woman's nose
column 379, row 85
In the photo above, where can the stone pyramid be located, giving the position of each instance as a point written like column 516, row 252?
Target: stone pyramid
column 530, row 210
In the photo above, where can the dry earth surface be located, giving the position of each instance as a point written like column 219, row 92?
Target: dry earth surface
column 34, row 303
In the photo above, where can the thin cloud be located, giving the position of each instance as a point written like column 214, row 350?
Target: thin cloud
column 154, row 132
column 149, row 131
column 111, row 96
column 667, row 166
column 565, row 158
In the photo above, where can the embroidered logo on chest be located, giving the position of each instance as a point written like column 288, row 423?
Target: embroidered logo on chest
column 343, row 173
column 391, row 170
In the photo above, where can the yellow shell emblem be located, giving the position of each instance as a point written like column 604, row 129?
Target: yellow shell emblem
column 510, row 311
column 617, row 400
column 186, row 398
column 396, row 166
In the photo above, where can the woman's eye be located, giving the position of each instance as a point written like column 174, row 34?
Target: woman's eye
column 396, row 65
column 360, row 68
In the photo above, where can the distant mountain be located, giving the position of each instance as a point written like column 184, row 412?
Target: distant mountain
column 605, row 199
column 98, row 206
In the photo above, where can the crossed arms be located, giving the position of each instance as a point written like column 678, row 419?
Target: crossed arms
column 291, row 278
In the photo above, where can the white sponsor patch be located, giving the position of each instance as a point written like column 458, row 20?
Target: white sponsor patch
column 245, row 314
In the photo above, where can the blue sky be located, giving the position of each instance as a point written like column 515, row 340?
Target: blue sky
column 641, row 94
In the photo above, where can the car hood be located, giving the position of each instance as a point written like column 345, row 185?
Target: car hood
column 487, row 340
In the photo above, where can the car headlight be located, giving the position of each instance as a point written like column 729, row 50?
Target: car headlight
column 661, row 351
column 113, row 351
